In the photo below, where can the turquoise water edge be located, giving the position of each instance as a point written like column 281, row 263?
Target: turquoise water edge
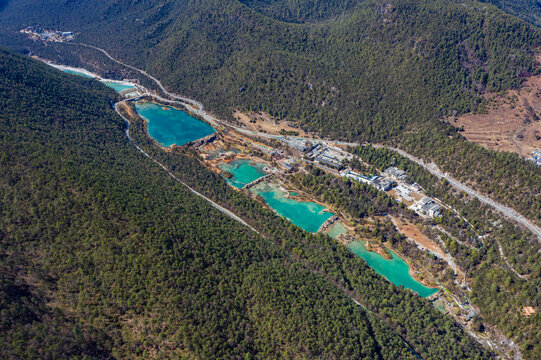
column 170, row 126
column 244, row 171
column 310, row 216
column 117, row 86
column 78, row 73
column 113, row 85
column 396, row 270
column 305, row 214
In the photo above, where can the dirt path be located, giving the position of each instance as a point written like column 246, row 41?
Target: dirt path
column 510, row 213
column 508, row 264
column 212, row 203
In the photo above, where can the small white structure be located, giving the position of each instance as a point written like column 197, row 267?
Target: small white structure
column 403, row 190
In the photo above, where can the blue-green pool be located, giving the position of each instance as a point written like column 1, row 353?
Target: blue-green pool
column 117, row 86
column 244, row 171
column 337, row 229
column 78, row 73
column 170, row 126
column 396, row 270
column 310, row 216
column 305, row 214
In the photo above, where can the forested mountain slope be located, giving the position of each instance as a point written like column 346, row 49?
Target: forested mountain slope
column 102, row 254
column 302, row 10
column 369, row 71
column 529, row 10
column 373, row 70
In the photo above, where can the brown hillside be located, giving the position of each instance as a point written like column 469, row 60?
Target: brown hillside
column 511, row 122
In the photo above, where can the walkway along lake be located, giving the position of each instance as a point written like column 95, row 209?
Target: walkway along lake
column 170, row 126
column 167, row 125
column 307, row 215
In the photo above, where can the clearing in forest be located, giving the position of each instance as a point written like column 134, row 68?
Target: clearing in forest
column 512, row 122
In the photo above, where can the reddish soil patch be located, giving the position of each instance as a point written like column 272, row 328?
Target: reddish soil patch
column 413, row 232
column 131, row 112
column 512, row 121
column 262, row 122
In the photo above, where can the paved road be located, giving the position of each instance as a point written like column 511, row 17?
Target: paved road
column 162, row 88
column 233, row 215
column 510, row 213
column 215, row 121
column 215, row 205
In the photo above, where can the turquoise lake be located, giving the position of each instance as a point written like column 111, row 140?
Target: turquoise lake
column 78, row 73
column 396, row 270
column 310, row 216
column 305, row 214
column 337, row 229
column 244, row 171
column 116, row 86
column 170, row 126
column 113, row 85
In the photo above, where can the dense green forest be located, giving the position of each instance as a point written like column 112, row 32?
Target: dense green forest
column 301, row 10
column 529, row 10
column 504, row 176
column 104, row 255
column 474, row 243
column 401, row 309
column 368, row 71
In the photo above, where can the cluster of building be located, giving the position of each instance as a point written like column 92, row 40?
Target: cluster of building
column 426, row 206
column 429, row 207
column 327, row 156
column 38, row 33
column 536, row 157
column 299, row 144
column 396, row 173
column 391, row 179
column 395, row 179
column 377, row 181
column 319, row 152
column 289, row 167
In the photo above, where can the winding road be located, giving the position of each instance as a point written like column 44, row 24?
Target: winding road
column 212, row 203
column 197, row 108
column 238, row 219
column 432, row 168
column 508, row 212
